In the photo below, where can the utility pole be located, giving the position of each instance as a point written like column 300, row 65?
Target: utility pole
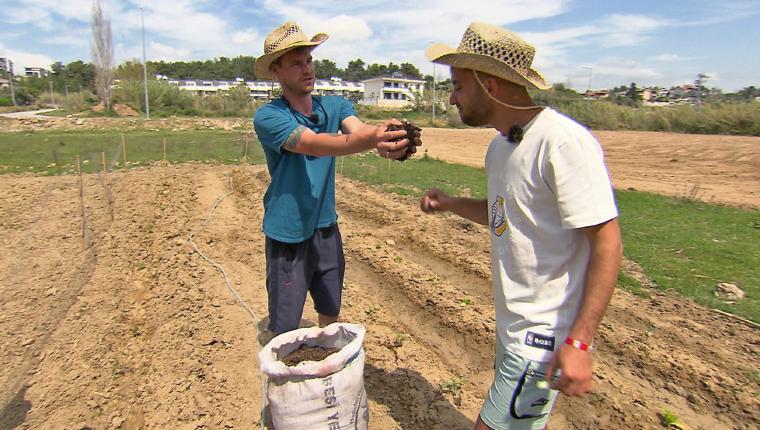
column 10, row 80
column 590, row 70
column 435, row 99
column 52, row 101
column 145, row 65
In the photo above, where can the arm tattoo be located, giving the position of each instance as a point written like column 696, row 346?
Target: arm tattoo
column 294, row 138
column 340, row 134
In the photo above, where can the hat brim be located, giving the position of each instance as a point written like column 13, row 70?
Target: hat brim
column 443, row 54
column 261, row 66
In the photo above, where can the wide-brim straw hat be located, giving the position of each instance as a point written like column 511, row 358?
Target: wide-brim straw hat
column 492, row 50
column 279, row 42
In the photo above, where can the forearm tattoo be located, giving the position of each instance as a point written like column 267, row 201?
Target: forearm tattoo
column 294, row 138
column 339, row 134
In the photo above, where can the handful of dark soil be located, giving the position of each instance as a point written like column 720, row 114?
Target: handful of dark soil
column 308, row 353
column 410, row 133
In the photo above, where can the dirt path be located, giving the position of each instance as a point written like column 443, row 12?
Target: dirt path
column 716, row 169
column 139, row 331
column 28, row 114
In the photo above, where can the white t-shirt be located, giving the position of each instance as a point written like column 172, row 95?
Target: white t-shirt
column 540, row 192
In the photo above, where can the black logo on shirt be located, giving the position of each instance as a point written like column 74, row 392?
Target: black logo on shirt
column 539, row 341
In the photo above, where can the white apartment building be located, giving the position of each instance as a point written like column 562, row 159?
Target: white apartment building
column 393, row 91
column 265, row 89
column 6, row 65
column 38, row 72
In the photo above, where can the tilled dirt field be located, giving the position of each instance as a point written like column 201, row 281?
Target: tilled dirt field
column 138, row 331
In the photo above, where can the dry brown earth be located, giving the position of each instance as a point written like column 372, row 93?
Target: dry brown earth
column 138, row 331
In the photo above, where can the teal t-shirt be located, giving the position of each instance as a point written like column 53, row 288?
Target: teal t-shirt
column 301, row 197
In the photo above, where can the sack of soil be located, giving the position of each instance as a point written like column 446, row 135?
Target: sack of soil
column 322, row 384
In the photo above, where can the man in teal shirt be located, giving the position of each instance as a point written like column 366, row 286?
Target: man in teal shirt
column 299, row 135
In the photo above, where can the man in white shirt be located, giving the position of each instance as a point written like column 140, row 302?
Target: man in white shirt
column 556, row 244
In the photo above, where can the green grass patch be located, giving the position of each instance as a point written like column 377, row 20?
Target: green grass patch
column 632, row 284
column 76, row 113
column 55, row 152
column 689, row 246
column 415, row 175
column 682, row 245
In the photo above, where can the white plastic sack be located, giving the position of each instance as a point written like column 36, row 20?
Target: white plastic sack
column 317, row 395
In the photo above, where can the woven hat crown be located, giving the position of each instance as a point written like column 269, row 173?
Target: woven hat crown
column 281, row 40
column 493, row 50
column 498, row 43
column 283, row 36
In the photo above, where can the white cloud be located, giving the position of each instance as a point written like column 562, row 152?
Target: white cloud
column 155, row 50
column 628, row 30
column 75, row 40
column 606, row 72
column 44, row 13
column 623, row 68
column 672, row 58
column 246, row 37
column 343, row 28
column 401, row 27
column 23, row 59
column 182, row 30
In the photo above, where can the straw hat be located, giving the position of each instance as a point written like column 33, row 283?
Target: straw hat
column 279, row 42
column 493, row 50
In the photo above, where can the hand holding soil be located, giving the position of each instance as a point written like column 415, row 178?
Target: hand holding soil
column 413, row 133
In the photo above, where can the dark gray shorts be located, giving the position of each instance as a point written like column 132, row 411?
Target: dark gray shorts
column 315, row 265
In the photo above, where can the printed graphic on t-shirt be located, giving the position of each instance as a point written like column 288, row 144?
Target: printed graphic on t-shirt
column 498, row 220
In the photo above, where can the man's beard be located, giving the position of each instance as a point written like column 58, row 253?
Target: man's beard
column 298, row 88
column 475, row 117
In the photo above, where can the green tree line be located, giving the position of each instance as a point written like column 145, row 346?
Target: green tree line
column 224, row 68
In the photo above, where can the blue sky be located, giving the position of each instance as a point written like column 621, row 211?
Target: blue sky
column 601, row 43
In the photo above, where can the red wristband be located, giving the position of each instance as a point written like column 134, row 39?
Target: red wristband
column 583, row 346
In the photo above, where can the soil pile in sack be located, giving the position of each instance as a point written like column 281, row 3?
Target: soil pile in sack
column 308, row 353
column 317, row 392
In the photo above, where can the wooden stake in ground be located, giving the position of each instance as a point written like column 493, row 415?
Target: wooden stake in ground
column 81, row 187
column 245, row 150
column 388, row 181
column 55, row 160
column 124, row 150
column 342, row 159
column 106, row 187
column 164, row 150
column 85, row 230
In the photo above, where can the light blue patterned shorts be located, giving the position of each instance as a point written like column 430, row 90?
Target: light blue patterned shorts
column 516, row 399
